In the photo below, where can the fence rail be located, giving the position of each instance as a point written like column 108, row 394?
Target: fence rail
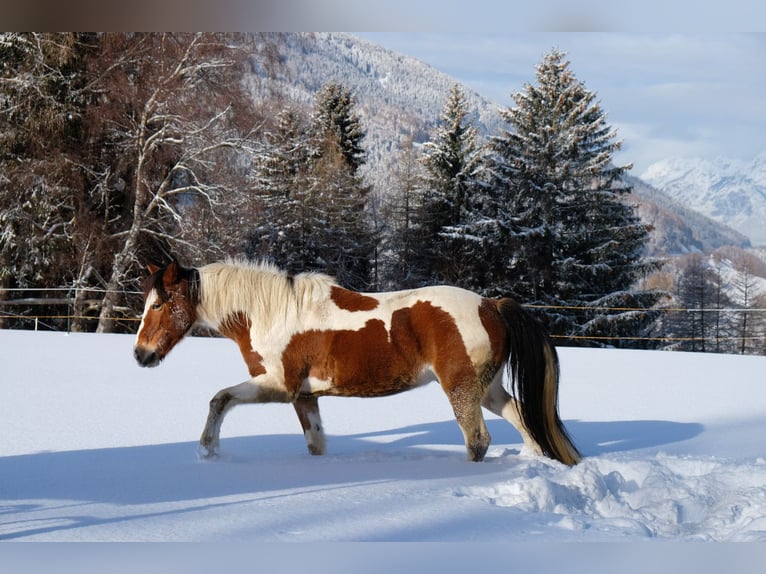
column 70, row 302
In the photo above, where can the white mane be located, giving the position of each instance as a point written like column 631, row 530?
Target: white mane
column 267, row 294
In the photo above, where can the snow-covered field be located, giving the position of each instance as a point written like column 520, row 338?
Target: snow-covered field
column 96, row 449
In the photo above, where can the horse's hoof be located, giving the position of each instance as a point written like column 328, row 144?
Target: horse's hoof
column 206, row 453
column 316, row 450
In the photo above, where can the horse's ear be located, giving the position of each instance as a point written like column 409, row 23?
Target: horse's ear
column 171, row 273
column 152, row 268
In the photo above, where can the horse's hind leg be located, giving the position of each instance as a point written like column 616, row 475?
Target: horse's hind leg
column 308, row 413
column 224, row 400
column 466, row 404
column 500, row 402
column 475, row 433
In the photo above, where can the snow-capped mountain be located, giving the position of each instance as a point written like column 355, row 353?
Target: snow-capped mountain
column 729, row 191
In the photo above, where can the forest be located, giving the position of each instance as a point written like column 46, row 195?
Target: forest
column 122, row 149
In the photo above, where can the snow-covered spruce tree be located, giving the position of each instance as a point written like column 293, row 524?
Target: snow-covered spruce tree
column 282, row 208
column 312, row 198
column 344, row 242
column 451, row 158
column 572, row 241
column 335, row 118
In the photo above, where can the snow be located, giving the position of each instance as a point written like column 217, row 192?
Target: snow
column 97, row 449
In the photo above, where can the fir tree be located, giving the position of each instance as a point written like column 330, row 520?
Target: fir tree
column 451, row 159
column 346, row 243
column 336, row 119
column 573, row 240
column 41, row 133
column 311, row 197
column 281, row 229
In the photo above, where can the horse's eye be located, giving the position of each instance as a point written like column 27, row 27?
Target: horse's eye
column 157, row 306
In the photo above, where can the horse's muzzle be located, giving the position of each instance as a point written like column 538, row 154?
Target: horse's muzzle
column 146, row 358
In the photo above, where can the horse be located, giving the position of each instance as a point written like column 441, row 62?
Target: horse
column 304, row 336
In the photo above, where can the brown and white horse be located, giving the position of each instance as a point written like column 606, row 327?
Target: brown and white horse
column 304, row 336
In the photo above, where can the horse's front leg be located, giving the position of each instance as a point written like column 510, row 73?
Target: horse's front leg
column 307, row 409
column 252, row 391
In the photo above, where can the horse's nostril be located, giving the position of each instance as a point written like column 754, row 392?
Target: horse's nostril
column 145, row 357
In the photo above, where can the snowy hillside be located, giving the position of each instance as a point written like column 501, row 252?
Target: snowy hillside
column 732, row 192
column 397, row 96
column 97, row 449
column 677, row 229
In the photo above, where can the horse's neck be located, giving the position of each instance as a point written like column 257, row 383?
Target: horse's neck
column 265, row 296
column 220, row 295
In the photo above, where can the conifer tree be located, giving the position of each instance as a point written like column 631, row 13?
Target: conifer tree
column 451, row 159
column 281, row 217
column 745, row 293
column 573, row 240
column 345, row 243
column 336, row 119
column 41, row 133
column 699, row 291
column 313, row 199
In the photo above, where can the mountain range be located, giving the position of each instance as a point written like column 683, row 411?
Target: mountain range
column 399, row 97
column 729, row 191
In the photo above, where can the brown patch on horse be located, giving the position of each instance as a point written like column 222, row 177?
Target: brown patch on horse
column 494, row 324
column 351, row 300
column 373, row 362
column 237, row 327
column 442, row 346
column 173, row 280
column 358, row 363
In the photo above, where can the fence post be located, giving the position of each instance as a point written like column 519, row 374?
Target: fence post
column 69, row 311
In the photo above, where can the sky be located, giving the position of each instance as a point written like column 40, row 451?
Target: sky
column 668, row 95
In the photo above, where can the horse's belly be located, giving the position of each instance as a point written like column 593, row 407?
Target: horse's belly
column 365, row 384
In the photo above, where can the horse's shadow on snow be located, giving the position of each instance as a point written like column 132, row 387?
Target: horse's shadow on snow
column 266, row 466
column 591, row 438
column 164, row 472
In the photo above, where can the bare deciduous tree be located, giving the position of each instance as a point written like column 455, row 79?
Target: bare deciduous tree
column 175, row 103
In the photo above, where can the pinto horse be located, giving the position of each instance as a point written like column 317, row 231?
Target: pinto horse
column 304, row 336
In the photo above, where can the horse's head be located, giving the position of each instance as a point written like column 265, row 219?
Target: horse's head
column 170, row 310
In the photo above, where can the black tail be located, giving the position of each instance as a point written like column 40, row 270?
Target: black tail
column 533, row 368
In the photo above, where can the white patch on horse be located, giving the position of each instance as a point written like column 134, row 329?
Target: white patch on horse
column 425, row 376
column 151, row 299
column 313, row 385
column 314, row 434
